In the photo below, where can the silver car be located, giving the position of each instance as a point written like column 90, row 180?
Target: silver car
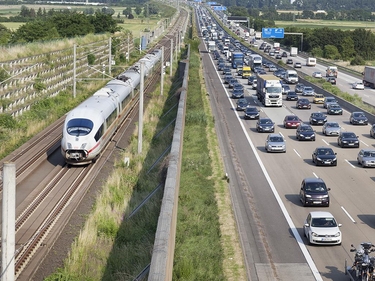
column 308, row 91
column 329, row 100
column 275, row 143
column 366, row 157
column 331, row 129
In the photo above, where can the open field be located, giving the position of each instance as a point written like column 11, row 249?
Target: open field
column 135, row 25
column 310, row 23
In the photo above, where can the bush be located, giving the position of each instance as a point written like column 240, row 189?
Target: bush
column 358, row 60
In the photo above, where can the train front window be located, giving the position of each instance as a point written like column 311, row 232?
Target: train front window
column 79, row 127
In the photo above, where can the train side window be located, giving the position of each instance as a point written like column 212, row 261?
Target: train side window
column 112, row 117
column 99, row 133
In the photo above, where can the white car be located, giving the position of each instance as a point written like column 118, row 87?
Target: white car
column 321, row 228
column 317, row 74
column 358, row 86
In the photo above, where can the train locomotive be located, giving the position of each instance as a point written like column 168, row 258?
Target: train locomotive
column 90, row 126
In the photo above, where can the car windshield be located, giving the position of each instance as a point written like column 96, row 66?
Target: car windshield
column 308, row 89
column 334, row 106
column 323, row 222
column 305, row 128
column 316, row 187
column 325, row 151
column 369, row 154
column 276, row 139
column 349, row 135
column 333, row 125
column 292, row 118
column 318, row 115
column 331, row 100
column 265, row 121
column 358, row 114
column 251, row 109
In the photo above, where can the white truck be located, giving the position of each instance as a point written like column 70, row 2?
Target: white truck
column 269, row 90
column 211, row 46
column 293, row 51
column 311, row 62
column 369, row 77
column 258, row 35
column 291, row 77
column 276, row 47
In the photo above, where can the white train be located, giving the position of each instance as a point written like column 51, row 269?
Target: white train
column 88, row 127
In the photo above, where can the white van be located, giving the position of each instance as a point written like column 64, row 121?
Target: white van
column 291, row 77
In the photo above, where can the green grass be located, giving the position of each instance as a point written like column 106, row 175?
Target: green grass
column 344, row 25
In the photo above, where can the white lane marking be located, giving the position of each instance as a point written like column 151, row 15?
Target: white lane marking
column 315, row 175
column 346, row 212
column 281, row 134
column 288, row 218
column 350, row 163
column 364, row 143
column 297, row 153
column 325, row 141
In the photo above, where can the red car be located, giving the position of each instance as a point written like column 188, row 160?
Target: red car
column 291, row 121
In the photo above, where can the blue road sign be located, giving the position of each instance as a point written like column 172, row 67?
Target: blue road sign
column 272, row 32
column 219, row 8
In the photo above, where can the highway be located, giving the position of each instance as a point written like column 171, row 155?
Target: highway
column 265, row 186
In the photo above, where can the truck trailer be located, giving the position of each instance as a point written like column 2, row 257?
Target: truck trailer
column 331, row 71
column 369, row 77
column 269, row 90
column 311, row 61
column 293, row 51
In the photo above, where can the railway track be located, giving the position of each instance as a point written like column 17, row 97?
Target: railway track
column 48, row 191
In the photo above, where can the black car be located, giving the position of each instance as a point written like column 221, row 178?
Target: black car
column 324, row 156
column 238, row 85
column 331, row 80
column 242, row 104
column 231, row 82
column 348, row 139
column 226, row 70
column 220, row 66
column 251, row 113
column 291, row 96
column 334, row 109
column 265, row 125
column 284, row 54
column 318, row 118
column 303, row 104
column 372, row 131
column 278, row 57
column 314, row 192
column 358, row 118
column 227, row 78
column 305, row 132
column 238, row 93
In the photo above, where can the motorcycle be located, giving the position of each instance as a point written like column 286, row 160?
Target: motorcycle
column 364, row 264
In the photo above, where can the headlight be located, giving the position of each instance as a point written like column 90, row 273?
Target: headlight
column 301, row 135
column 344, row 141
column 308, row 196
column 314, row 234
column 325, row 196
column 313, row 135
column 334, row 159
column 338, row 234
column 325, row 120
column 318, row 158
column 314, row 120
column 356, row 141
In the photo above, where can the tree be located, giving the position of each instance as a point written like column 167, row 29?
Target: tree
column 138, row 10
column 308, row 14
column 70, row 24
column 35, row 31
column 347, row 48
column 331, row 52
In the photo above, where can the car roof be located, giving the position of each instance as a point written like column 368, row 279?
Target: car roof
column 309, row 180
column 368, row 149
column 321, row 214
column 275, row 135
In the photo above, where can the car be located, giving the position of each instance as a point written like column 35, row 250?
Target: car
column 291, row 96
column 279, row 73
column 314, row 192
column 331, row 129
column 318, row 98
column 242, row 104
column 372, row 130
column 226, row 70
column 272, row 53
column 321, row 228
column 331, row 80
column 299, row 87
column 358, row 118
column 284, row 54
column 231, row 82
column 291, row 121
column 227, row 77
column 265, row 125
column 358, row 86
column 275, row 143
column 278, row 57
column 366, row 157
column 289, row 61
column 348, row 139
column 251, row 112
column 297, row 65
column 220, row 66
column 238, row 93
column 305, row 132
column 272, row 68
column 238, row 85
column 334, row 109
column 285, row 89
column 324, row 156
column 317, row 74
column 252, row 79
column 308, row 91
column 303, row 104
column 317, row 118
column 329, row 100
